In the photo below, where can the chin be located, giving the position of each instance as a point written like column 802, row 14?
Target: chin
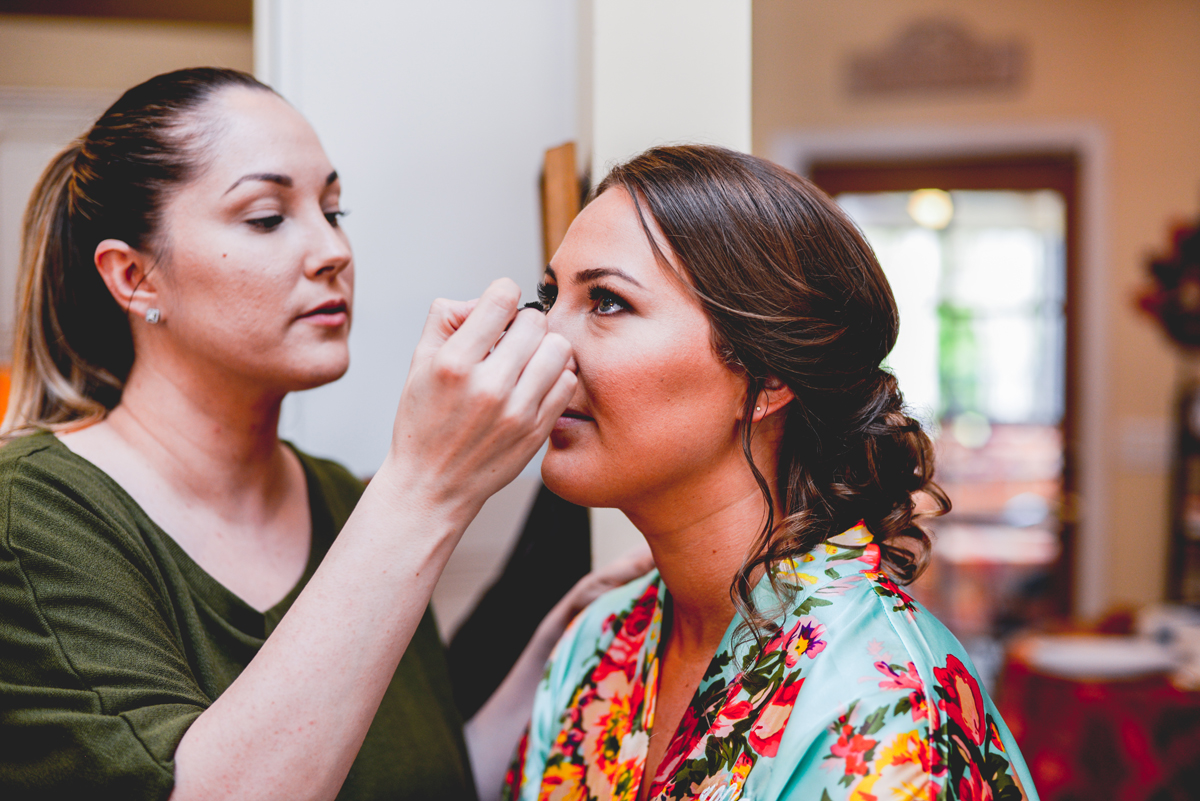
column 573, row 480
column 318, row 373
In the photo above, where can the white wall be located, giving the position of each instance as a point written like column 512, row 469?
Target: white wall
column 666, row 71
column 436, row 116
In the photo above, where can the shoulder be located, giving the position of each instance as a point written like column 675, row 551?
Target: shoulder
column 47, row 488
column 891, row 699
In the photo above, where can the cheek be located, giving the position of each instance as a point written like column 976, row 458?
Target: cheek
column 663, row 411
column 231, row 293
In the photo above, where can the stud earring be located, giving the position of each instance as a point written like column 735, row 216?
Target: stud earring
column 758, row 408
column 153, row 315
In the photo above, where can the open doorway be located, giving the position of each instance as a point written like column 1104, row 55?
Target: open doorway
column 981, row 255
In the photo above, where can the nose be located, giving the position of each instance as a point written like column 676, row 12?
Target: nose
column 331, row 253
column 557, row 323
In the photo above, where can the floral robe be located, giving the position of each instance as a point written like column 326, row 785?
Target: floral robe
column 861, row 695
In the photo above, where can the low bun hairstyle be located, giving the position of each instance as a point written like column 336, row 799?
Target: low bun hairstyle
column 73, row 349
column 794, row 292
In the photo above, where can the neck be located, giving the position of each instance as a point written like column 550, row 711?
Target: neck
column 214, row 438
column 700, row 532
column 699, row 555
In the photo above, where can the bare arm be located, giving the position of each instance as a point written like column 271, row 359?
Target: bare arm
column 469, row 419
column 493, row 733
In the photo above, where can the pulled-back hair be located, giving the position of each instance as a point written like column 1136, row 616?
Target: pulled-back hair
column 73, row 349
column 794, row 292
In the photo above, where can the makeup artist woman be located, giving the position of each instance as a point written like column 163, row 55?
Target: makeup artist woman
column 183, row 270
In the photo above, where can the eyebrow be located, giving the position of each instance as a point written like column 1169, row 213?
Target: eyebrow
column 596, row 273
column 275, row 178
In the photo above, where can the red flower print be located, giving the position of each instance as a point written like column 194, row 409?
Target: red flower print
column 900, row 679
column 871, row 556
column 974, row 787
column 995, row 737
column 905, row 680
column 892, row 588
column 767, row 731
column 963, row 701
column 515, row 775
column 622, row 654
column 730, row 715
column 851, row 747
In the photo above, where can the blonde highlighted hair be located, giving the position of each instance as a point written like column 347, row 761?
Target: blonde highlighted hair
column 72, row 348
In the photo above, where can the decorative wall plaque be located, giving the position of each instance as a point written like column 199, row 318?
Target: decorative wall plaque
column 937, row 55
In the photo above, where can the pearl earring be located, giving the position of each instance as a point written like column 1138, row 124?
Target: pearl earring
column 153, row 315
column 758, row 408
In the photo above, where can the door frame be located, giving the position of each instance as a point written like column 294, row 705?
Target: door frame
column 1087, row 144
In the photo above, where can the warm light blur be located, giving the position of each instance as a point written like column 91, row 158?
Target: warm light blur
column 931, row 208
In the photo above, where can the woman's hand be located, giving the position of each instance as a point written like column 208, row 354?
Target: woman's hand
column 637, row 562
column 487, row 384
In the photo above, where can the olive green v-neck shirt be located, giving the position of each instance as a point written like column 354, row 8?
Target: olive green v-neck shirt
column 112, row 641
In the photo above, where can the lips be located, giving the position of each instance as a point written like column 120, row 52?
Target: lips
column 327, row 309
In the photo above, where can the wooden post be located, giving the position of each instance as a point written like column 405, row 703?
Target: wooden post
column 560, row 196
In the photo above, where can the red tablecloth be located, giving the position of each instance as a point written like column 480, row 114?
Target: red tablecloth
column 1123, row 740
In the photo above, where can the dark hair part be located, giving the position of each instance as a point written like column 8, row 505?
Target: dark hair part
column 794, row 292
column 73, row 348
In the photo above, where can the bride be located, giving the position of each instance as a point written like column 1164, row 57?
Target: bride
column 729, row 323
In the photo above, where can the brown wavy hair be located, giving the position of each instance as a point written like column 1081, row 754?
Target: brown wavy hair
column 72, row 348
column 794, row 292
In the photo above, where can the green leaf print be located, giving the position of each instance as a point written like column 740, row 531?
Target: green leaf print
column 811, row 603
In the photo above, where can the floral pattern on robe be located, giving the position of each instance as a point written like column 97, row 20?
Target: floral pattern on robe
column 859, row 695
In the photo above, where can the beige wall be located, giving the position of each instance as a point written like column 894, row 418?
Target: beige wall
column 111, row 54
column 1129, row 66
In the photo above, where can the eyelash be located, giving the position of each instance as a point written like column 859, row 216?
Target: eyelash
column 548, row 293
column 271, row 222
column 598, row 294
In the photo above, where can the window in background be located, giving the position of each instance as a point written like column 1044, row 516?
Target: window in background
column 981, row 279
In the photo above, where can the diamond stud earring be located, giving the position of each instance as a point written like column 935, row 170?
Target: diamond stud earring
column 153, row 316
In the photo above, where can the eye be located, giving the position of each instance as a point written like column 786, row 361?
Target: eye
column 607, row 302
column 266, row 223
column 547, row 294
column 334, row 216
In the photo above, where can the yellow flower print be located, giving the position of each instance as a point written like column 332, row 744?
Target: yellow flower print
column 563, row 781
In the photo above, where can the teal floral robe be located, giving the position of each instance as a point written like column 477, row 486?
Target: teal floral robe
column 860, row 695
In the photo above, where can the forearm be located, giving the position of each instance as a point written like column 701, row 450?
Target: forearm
column 292, row 723
column 474, row 410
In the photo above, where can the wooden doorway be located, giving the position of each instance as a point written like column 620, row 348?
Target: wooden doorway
column 970, row 179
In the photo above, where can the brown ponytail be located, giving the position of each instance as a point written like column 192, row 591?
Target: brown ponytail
column 793, row 292
column 73, row 349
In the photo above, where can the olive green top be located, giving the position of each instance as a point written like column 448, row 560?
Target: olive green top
column 112, row 641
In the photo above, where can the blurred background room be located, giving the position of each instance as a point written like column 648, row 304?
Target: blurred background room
column 1028, row 173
